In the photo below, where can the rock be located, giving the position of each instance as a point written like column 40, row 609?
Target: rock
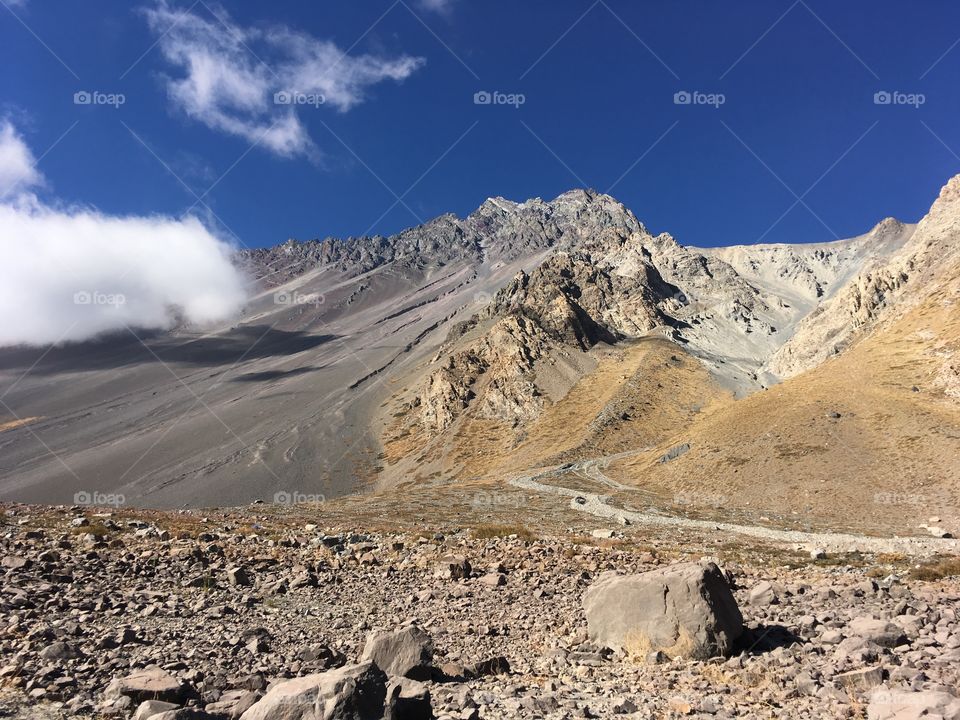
column 685, row 609
column 406, row 652
column 938, row 531
column 603, row 534
column 494, row 579
column 879, row 632
column 233, row 703
column 150, row 684
column 452, row 568
column 818, row 554
column 407, row 700
column 763, row 593
column 59, row 651
column 491, row 666
column 861, row 680
column 675, row 452
column 353, row 692
column 149, row 708
column 906, row 705
column 183, row 714
column 624, row 707
column 238, row 577
column 15, row 562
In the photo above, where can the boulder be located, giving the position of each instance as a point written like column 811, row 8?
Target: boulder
column 452, row 567
column 238, row 577
column 879, row 632
column 408, row 700
column 862, row 679
column 493, row 579
column 15, row 562
column 497, row 665
column 233, row 703
column 686, row 610
column 151, row 683
column 405, row 652
column 353, row 692
column 149, row 708
column 763, row 593
column 908, row 705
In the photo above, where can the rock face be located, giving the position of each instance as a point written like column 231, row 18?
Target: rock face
column 684, row 610
column 406, row 652
column 604, row 279
column 353, row 692
column 886, row 285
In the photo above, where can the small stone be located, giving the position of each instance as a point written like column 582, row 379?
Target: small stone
column 494, row 579
column 452, row 568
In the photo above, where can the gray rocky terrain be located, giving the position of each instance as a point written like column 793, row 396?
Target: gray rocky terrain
column 290, row 397
column 258, row 614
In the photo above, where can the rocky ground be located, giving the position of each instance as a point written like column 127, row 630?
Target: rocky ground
column 218, row 609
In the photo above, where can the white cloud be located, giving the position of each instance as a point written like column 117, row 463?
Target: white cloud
column 232, row 75
column 18, row 170
column 70, row 274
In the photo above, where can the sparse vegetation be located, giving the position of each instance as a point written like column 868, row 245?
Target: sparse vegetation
column 486, row 532
column 937, row 569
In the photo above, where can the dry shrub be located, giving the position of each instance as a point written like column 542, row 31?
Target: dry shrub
column 489, row 532
column 937, row 569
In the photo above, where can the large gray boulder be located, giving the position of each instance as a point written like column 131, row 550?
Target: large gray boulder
column 685, row 610
column 404, row 652
column 880, row 632
column 353, row 692
column 150, row 683
column 908, row 705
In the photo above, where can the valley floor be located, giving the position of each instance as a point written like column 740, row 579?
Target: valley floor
column 89, row 595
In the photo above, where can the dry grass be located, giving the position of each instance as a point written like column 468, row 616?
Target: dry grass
column 488, row 532
column 893, row 452
column 96, row 528
column 937, row 569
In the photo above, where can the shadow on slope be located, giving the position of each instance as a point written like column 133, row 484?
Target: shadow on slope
column 127, row 349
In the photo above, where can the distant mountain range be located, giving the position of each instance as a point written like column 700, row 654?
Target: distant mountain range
column 522, row 335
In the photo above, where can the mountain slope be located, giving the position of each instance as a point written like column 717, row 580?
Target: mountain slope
column 523, row 334
column 869, row 438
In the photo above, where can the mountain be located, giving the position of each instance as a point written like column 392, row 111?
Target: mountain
column 521, row 336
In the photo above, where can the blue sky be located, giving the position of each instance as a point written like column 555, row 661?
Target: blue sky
column 798, row 150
